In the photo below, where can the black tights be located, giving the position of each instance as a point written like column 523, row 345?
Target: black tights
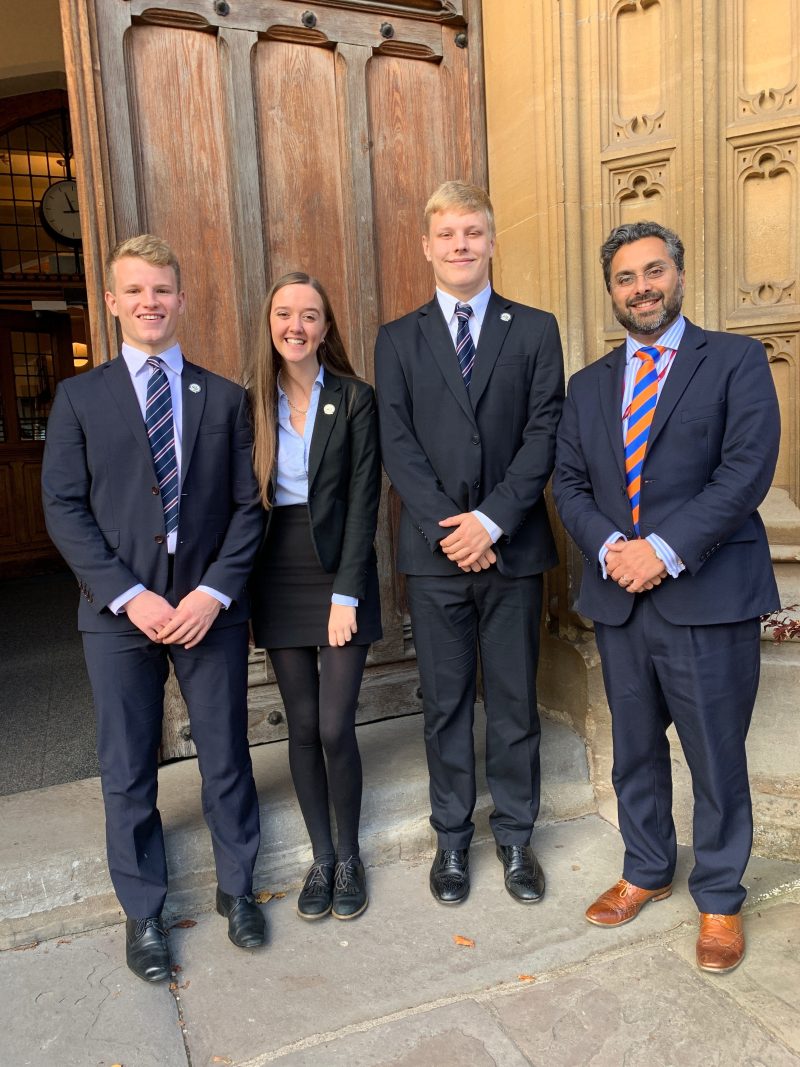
column 320, row 708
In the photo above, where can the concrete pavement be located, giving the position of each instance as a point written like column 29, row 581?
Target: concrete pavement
column 393, row 988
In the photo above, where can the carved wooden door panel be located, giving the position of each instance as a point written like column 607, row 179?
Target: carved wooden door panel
column 270, row 135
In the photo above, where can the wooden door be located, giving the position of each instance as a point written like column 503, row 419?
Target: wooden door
column 267, row 136
column 35, row 353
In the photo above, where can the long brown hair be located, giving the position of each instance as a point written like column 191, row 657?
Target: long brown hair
column 263, row 378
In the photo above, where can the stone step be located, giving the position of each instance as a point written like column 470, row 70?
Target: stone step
column 53, row 875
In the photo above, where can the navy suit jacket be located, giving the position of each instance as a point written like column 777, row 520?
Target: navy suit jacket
column 710, row 458
column 102, row 504
column 448, row 450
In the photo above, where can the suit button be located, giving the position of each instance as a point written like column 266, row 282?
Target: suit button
column 476, row 440
column 476, row 484
column 159, row 539
column 154, row 490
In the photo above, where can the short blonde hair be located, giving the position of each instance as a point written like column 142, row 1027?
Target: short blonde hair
column 460, row 197
column 147, row 247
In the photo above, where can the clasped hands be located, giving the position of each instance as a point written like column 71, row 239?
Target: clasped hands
column 634, row 565
column 469, row 545
column 186, row 625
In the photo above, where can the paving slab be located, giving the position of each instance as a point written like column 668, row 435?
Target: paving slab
column 72, row 1002
column 648, row 1009
column 767, row 984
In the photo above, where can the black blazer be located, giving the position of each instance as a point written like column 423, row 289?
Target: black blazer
column 101, row 500
column 448, row 450
column 344, row 483
column 710, row 458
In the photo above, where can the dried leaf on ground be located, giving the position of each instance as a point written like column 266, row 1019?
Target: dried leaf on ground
column 184, row 924
column 526, row 977
column 264, row 896
column 465, row 942
column 221, row 1059
column 65, row 941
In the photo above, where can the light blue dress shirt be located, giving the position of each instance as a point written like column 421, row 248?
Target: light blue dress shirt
column 291, row 479
column 670, row 340
column 478, row 303
column 140, row 371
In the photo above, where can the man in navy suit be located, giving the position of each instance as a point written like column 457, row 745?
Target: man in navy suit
column 150, row 496
column 666, row 448
column 470, row 388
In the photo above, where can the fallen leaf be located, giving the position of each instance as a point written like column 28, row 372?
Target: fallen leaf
column 184, row 924
column 466, row 942
column 67, row 941
column 173, row 986
column 186, row 984
column 526, row 977
column 263, row 896
column 22, row 948
column 576, row 866
column 221, row 1059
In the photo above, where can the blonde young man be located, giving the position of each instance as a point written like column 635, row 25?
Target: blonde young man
column 470, row 388
column 150, row 496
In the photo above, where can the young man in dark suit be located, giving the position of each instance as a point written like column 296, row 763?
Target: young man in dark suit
column 150, row 496
column 666, row 448
column 470, row 388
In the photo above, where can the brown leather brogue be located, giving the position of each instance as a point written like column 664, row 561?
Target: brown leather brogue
column 720, row 946
column 622, row 902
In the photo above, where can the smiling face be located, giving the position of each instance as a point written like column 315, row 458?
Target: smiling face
column 459, row 247
column 297, row 324
column 146, row 301
column 646, row 288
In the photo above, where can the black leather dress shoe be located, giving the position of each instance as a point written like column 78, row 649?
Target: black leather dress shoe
column 316, row 895
column 247, row 927
column 146, row 949
column 450, row 875
column 524, row 877
column 349, row 889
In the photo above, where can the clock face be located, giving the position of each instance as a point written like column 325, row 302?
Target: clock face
column 60, row 213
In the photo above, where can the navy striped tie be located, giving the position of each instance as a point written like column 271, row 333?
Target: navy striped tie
column 161, row 432
column 465, row 346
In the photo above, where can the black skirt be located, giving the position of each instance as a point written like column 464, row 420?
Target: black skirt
column 290, row 593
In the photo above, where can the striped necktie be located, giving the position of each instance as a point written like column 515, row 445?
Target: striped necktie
column 465, row 346
column 640, row 419
column 161, row 433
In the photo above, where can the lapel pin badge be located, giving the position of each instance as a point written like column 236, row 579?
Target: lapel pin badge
column 329, row 409
column 194, row 388
column 505, row 317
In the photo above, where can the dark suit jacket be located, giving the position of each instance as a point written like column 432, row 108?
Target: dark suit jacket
column 448, row 451
column 344, row 483
column 101, row 499
column 710, row 459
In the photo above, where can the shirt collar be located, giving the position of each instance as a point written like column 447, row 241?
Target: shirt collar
column 319, row 380
column 137, row 360
column 669, row 339
column 478, row 303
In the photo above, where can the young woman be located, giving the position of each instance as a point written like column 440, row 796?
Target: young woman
column 314, row 588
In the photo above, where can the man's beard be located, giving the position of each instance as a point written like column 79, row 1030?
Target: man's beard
column 670, row 309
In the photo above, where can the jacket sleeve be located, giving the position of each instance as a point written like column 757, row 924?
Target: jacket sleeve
column 66, row 485
column 525, row 479
column 231, row 568
column 363, row 495
column 404, row 459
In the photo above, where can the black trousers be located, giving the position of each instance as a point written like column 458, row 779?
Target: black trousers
column 128, row 672
column 451, row 617
column 704, row 679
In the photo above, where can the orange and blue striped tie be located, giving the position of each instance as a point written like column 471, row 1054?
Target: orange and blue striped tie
column 640, row 419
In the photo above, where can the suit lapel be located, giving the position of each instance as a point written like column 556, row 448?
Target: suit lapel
column 117, row 378
column 687, row 359
column 331, row 396
column 493, row 334
column 435, row 331
column 611, row 385
column 193, row 397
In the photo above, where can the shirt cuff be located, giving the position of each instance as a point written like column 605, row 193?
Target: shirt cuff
column 226, row 601
column 667, row 556
column 344, row 601
column 117, row 605
column 617, row 535
column 490, row 527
